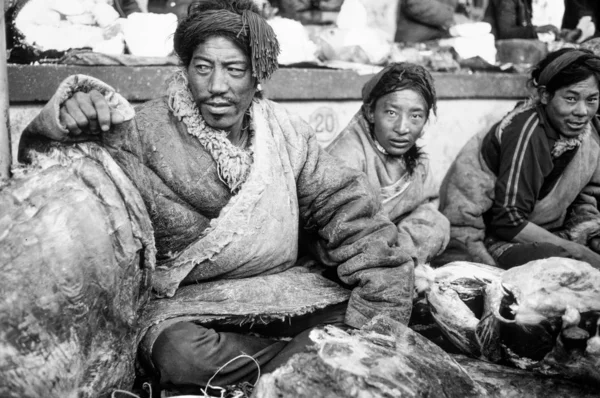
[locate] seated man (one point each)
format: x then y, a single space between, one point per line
381 140
528 189
231 181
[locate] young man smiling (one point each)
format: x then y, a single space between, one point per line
532 188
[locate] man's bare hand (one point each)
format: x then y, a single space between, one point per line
547 29
583 253
594 244
86 114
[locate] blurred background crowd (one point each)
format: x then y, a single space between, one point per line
443 35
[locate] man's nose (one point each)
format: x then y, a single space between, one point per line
217 83
580 109
401 126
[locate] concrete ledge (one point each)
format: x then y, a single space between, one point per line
36 83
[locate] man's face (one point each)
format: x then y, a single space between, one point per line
221 82
398 119
572 107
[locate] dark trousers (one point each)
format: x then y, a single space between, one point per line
188 355
522 253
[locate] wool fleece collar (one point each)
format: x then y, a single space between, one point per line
233 163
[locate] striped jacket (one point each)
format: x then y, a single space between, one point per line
493 172
518 152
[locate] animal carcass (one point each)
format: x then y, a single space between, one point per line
541 316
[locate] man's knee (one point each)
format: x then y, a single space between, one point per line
526 252
189 354
552 250
183 351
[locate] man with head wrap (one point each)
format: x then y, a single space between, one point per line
231 182
533 180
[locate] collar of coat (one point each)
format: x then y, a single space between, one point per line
233 163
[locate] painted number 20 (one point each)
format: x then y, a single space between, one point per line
323 120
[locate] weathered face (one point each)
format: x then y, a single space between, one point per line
399 118
572 107
221 81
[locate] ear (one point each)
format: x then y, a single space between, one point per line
370 115
544 95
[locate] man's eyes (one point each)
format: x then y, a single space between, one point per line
233 70
572 99
203 68
236 70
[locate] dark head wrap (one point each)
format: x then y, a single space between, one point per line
400 76
565 67
238 20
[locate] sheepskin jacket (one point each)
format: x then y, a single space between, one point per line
183 188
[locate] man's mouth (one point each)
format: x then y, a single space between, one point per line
218 107
400 143
576 125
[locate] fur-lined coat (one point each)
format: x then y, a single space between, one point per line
233 257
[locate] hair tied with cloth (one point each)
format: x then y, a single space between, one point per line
558 64
264 47
564 67
237 20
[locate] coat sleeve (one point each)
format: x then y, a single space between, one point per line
337 205
46 126
348 150
465 195
583 217
429 12
425 227
123 142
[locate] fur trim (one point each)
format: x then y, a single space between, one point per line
564 144
85 84
233 163
582 232
222 247
48 124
